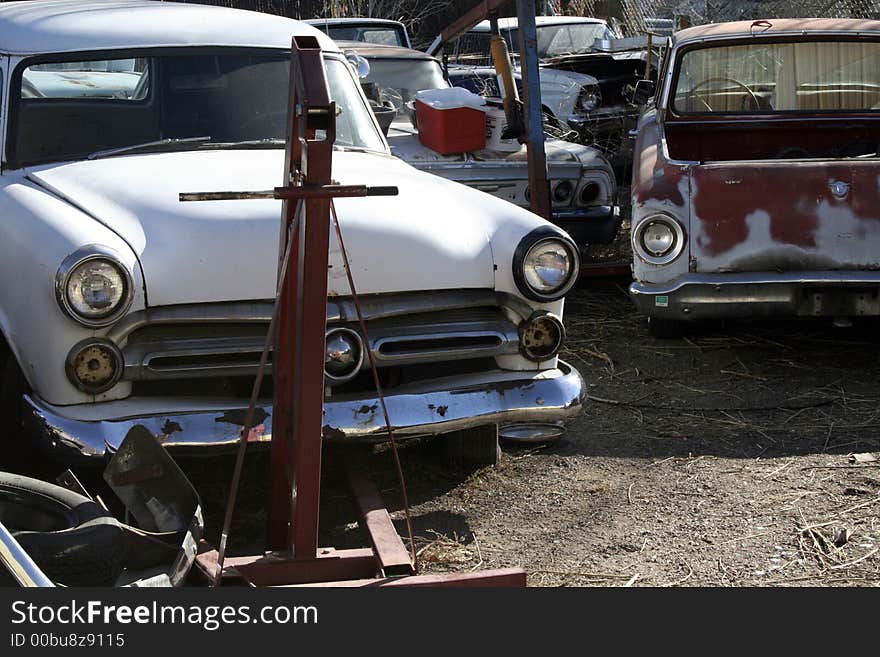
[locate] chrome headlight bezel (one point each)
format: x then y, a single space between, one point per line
80 257
535 239
359 344
668 256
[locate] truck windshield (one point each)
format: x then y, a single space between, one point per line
806 76
67 110
565 39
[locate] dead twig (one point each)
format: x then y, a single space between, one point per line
855 561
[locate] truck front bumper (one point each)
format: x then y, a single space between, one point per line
93 431
761 294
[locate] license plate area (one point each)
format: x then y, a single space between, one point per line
834 301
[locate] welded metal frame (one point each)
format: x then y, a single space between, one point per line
299 346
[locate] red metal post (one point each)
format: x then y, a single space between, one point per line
295 478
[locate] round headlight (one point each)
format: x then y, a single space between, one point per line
590 193
541 336
94 366
545 265
93 287
659 240
588 101
563 191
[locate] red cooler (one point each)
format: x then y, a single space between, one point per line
453 130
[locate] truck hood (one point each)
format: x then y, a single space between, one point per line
434 235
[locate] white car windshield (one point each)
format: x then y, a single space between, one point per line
398 80
73 109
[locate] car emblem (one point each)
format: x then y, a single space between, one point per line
839 189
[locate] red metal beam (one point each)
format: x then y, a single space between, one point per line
276 569
506 577
295 478
391 553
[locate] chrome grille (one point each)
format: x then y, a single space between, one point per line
209 344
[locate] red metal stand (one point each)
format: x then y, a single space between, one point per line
298 367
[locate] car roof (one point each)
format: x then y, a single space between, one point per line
50 26
352 21
777 26
380 50
511 23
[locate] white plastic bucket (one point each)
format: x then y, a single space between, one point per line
496 122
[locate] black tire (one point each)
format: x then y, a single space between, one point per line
471 448
73 540
664 328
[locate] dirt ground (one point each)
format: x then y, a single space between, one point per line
739 455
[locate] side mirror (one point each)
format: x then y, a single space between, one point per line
361 65
643 92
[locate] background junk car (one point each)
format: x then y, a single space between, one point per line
582 184
368 30
755 184
582 84
130 307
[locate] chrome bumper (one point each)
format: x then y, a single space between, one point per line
791 294
438 406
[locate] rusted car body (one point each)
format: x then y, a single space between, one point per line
755 183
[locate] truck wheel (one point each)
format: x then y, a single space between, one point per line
73 540
471 448
664 328
16 451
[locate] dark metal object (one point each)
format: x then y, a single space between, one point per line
528 52
286 193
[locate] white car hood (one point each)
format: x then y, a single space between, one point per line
434 235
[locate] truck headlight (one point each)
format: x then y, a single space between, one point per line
93 287
588 101
659 239
545 265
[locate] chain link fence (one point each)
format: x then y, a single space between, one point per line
638 16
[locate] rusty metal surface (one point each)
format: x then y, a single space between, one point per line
391 553
790 25
274 568
785 216
503 577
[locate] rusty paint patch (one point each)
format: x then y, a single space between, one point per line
332 433
654 179
238 416
365 409
170 427
440 410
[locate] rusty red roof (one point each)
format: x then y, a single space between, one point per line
777 26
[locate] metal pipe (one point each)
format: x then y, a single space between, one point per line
19 563
539 188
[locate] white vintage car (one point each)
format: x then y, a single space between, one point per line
122 306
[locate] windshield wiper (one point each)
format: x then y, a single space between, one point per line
266 142
173 143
